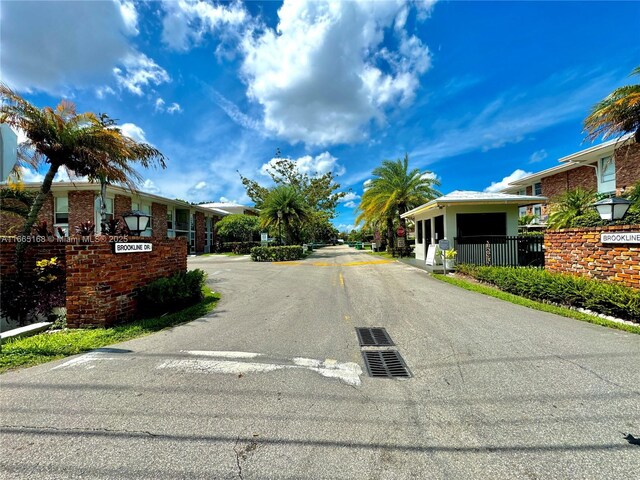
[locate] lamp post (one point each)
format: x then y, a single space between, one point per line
136 221
280 226
613 208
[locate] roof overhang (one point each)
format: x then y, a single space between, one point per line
88 186
442 202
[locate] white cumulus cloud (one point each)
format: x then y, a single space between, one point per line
149 186
321 76
138 72
42 51
186 22
504 183
318 165
350 205
350 196
133 131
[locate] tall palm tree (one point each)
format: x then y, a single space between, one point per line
570 205
83 143
617 114
284 207
395 190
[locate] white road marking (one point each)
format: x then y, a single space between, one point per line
85 360
206 353
219 366
348 372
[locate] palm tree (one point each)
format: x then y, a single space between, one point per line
80 142
617 114
568 206
395 190
284 207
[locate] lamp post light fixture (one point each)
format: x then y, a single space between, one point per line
613 208
136 221
280 226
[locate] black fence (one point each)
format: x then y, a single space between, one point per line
520 251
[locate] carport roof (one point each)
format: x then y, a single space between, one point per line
463 197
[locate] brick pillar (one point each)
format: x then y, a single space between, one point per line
159 220
46 212
200 232
81 209
121 205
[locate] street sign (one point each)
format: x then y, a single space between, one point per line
444 245
401 243
400 231
132 247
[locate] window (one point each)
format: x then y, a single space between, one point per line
169 218
537 188
607 169
419 226
522 192
522 211
537 211
61 214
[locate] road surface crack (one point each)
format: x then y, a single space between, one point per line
243 453
597 375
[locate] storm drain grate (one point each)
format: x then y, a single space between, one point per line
385 363
374 337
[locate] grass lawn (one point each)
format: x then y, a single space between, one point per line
381 254
525 302
26 352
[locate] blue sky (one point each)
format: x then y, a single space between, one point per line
477 92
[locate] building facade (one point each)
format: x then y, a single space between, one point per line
70 204
609 169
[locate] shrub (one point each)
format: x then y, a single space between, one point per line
239 248
537 284
33 297
276 254
173 293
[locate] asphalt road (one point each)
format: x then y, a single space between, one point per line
269 386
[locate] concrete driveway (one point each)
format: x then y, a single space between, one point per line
271 385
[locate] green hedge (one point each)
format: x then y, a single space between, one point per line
537 284
171 294
276 254
239 248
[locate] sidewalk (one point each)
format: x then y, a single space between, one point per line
421 265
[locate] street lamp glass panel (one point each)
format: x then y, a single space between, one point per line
612 208
136 221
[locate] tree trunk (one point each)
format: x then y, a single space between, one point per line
103 206
389 234
45 188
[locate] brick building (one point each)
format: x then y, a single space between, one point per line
609 168
70 204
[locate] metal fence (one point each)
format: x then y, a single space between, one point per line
520 251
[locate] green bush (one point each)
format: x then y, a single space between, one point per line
276 254
239 248
537 284
171 294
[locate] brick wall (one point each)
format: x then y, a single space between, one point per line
34 253
200 232
584 177
578 251
81 209
121 205
159 216
627 166
101 285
